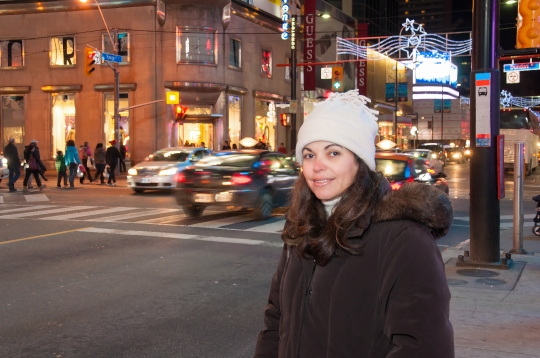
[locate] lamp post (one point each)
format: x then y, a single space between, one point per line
114 43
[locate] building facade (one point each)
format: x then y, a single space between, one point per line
220 55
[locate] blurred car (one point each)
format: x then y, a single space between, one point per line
248 178
402 168
437 148
455 154
467 151
431 159
4 172
158 171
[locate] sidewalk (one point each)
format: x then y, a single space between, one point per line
496 313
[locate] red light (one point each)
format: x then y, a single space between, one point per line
239 179
180 178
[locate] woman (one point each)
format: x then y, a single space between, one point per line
72 161
99 158
86 154
31 157
360 274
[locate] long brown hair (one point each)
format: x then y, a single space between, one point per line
313 235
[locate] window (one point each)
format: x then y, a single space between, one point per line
108 117
12 115
195 45
11 54
123 46
235 54
266 63
63 120
62 51
235 119
288 70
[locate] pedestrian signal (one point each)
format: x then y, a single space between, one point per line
180 114
89 61
337 79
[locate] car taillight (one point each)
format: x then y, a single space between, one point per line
240 179
180 178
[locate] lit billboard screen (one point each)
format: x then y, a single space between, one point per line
435 68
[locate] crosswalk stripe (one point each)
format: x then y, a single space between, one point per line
168 235
164 219
1 200
134 215
25 208
86 213
43 212
272 227
36 197
215 224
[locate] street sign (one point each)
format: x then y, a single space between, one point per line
172 97
97 57
512 77
526 66
111 58
482 91
326 73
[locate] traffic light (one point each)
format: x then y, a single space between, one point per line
89 61
180 114
337 79
528 28
284 119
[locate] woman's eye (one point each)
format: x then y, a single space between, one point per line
308 156
333 154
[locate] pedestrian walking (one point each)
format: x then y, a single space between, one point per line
282 149
72 161
70 135
61 168
86 155
31 155
99 158
360 274
112 157
13 163
41 167
123 152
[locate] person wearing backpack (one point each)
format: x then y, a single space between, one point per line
72 161
86 154
33 167
99 157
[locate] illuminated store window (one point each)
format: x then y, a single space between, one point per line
62 51
12 119
235 53
63 121
235 119
265 122
108 118
11 54
197 134
196 45
123 46
266 63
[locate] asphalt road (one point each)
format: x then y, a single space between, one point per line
101 272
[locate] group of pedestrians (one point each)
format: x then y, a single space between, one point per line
67 164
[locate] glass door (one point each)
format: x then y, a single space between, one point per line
12 119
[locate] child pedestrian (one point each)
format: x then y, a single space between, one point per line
61 168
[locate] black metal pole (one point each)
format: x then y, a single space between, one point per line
293 86
396 108
442 116
484 203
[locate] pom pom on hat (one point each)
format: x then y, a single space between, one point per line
343 119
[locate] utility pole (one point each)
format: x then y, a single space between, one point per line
484 203
116 91
293 82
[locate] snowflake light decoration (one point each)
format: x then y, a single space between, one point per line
506 98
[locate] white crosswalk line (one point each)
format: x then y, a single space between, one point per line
164 219
87 213
271 228
36 197
43 212
168 235
215 224
134 215
1 200
33 207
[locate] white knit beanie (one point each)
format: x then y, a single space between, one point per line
343 119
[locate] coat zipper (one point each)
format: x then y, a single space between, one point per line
306 301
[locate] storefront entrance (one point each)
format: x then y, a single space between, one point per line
63 120
196 135
108 119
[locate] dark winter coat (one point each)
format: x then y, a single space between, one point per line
99 156
391 301
112 156
12 155
35 154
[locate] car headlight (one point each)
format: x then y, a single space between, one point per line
434 156
456 155
170 171
4 161
132 171
467 152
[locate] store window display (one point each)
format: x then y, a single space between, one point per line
63 120
235 119
265 123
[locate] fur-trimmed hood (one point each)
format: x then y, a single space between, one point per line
417 202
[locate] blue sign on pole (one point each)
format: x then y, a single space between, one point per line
111 58
526 66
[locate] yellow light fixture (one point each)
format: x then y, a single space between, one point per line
325 16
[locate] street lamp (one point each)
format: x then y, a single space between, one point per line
114 43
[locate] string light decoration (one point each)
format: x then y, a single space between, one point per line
409 44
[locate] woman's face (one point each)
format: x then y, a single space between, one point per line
329 169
